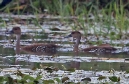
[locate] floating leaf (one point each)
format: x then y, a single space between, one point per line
71 69
19 73
50 70
15 81
114 79
77 83
26 77
34 68
1 78
36 82
55 29
48 81
10 80
127 71
71 83
101 78
22 81
86 79
64 79
38 77
127 44
58 80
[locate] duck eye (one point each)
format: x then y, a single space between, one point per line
73 32
15 29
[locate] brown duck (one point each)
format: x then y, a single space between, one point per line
36 49
103 48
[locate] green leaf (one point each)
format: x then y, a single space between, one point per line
10 80
101 78
48 69
22 81
1 78
26 77
38 77
86 80
48 81
127 71
58 80
71 69
114 79
19 73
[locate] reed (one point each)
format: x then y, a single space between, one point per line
121 20
114 15
35 5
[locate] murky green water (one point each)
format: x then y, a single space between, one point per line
30 35
93 65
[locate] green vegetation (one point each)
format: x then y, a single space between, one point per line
110 16
105 18
21 78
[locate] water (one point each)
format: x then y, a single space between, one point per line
52 31
64 52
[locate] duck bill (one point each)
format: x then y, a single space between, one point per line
70 35
10 32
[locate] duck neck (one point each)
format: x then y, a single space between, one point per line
18 44
76 47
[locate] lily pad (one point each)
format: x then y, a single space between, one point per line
114 79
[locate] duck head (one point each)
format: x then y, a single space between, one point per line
76 36
15 30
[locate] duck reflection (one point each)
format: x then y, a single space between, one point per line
73 65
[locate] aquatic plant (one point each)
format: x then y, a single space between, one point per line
114 78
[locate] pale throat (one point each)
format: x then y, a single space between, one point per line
76 44
18 40
77 41
18 44
18 37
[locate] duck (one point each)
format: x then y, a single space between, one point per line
103 48
34 49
